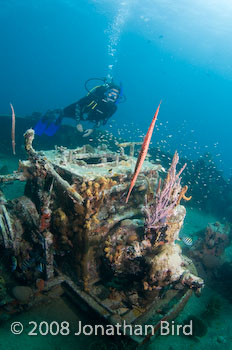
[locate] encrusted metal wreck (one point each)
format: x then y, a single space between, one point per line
73 226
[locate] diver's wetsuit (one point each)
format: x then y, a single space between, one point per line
94 105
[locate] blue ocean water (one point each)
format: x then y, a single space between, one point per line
176 52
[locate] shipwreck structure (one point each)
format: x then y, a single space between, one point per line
72 226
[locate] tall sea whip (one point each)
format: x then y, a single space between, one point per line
167 197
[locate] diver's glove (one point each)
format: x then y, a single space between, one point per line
87 132
80 128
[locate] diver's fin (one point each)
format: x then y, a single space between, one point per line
51 129
40 127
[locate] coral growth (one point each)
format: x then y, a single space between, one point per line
210 248
153 254
96 239
63 229
167 265
168 196
123 249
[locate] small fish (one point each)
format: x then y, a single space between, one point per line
187 240
14 264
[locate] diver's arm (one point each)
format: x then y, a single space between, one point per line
108 114
88 132
76 109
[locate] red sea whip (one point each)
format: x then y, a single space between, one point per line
143 153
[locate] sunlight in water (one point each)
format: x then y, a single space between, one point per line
114 32
175 25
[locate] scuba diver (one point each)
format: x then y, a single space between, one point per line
97 107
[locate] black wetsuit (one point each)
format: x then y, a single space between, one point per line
94 106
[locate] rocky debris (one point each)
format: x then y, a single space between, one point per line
22 294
